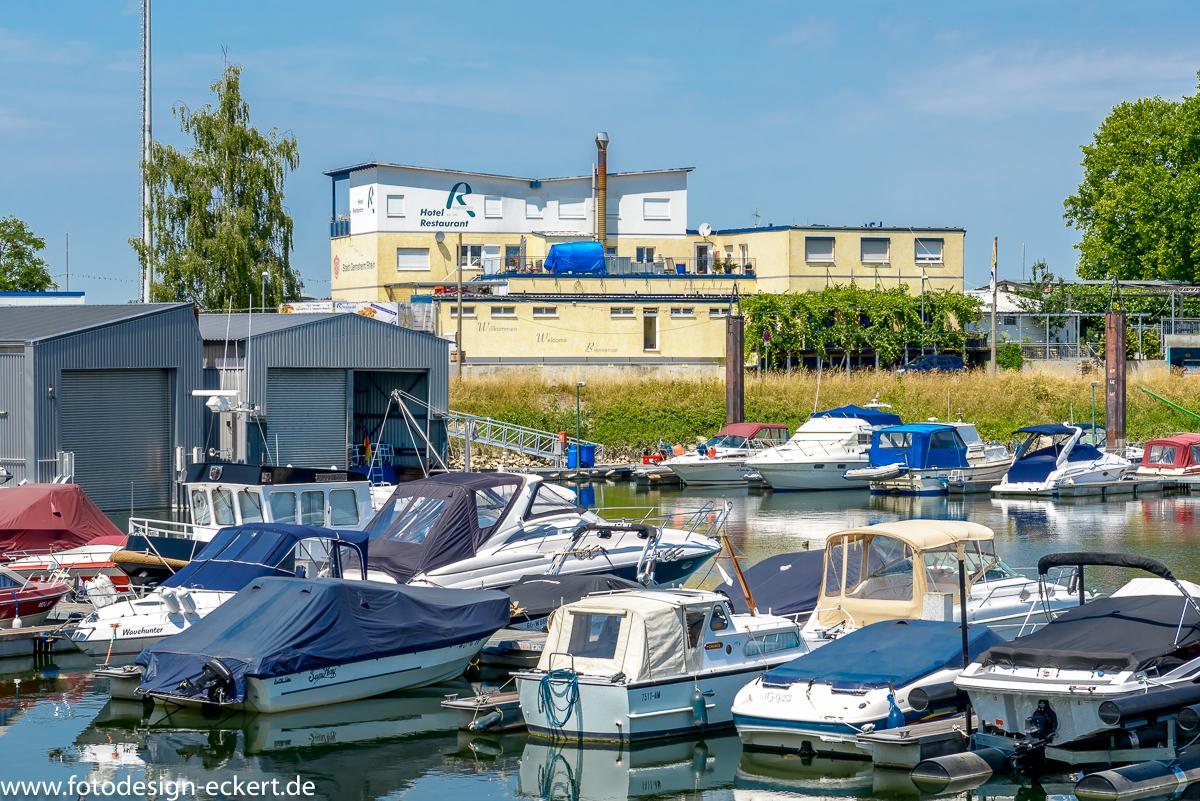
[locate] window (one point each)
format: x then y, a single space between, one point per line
312 508
718 313
594 636
572 209
544 312
414 518
551 499
818 249
876 250
621 312
470 255
682 312
504 312
895 439
1008 320
650 329
283 507
250 505
201 516
535 209
645 256
412 258
695 627
490 503
943 441
929 251
467 311
744 254
395 205
889 572
656 208
763 644
1162 454
720 620
493 207
343 508
223 507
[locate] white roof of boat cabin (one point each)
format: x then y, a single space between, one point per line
643 601
926 534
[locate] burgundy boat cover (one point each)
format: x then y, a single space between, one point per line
49 517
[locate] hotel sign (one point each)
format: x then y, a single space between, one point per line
456 214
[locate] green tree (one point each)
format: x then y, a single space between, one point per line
21 268
218 220
1138 205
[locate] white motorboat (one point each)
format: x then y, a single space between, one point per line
1055 457
648 664
885 675
722 460
488 530
230 561
927 458
1121 662
1176 456
821 451
289 643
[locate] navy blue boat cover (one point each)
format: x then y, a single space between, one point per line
875 417
575 257
239 554
537 596
278 626
896 652
784 584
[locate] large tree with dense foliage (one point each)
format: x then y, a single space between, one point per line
218 219
1138 205
21 268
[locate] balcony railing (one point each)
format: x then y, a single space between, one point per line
625 266
339 228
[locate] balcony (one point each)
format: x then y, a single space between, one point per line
339 228
628 266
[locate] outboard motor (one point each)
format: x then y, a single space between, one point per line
1030 753
215 682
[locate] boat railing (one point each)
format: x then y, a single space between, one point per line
172 529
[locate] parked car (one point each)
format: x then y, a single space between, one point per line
936 363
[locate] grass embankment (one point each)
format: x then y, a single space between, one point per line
628 415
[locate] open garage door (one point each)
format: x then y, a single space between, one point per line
118 424
306 417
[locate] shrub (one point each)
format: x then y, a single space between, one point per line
1008 356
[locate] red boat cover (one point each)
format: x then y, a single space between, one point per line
1174 451
49 517
748 429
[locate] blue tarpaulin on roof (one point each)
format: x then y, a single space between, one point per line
896 652
576 257
279 626
875 417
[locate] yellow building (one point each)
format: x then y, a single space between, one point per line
412 234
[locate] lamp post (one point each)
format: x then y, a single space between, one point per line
578 421
262 290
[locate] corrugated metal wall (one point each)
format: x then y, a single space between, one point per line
13 425
306 416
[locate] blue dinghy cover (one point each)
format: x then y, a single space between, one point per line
576 257
896 652
784 584
875 417
278 626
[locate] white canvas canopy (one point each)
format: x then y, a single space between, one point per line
642 634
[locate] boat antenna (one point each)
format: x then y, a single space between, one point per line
737 569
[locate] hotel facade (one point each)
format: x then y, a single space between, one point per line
416 234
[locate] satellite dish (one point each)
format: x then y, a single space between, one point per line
440 236
705 230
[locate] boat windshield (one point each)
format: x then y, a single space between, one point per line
969 434
941 566
407 519
1162 454
1043 445
726 441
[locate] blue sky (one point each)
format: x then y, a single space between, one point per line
966 114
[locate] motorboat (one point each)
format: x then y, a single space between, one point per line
786 584
488 530
235 557
1170 457
290 643
882 676
722 459
534 598
1055 457
926 458
909 569
27 601
823 448
646 664
1104 667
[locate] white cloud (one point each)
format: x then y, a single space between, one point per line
805 33
17 48
12 121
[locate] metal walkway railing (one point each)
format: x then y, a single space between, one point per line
512 437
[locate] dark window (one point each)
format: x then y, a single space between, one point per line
943 441
594 636
720 620
695 625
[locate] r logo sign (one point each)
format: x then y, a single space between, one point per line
459 197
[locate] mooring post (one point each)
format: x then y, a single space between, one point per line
1114 374
735 386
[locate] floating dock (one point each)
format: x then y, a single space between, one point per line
32 640
603 472
510 649
1125 487
906 747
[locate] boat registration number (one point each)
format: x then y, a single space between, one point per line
777 697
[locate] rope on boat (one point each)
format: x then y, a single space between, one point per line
558 694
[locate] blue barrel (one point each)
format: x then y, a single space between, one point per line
587 455
573 457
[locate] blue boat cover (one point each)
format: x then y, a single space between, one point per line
1035 466
279 626
895 652
784 584
875 417
239 554
918 446
576 257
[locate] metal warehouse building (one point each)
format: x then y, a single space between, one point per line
110 384
322 384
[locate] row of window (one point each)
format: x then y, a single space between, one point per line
874 250
653 208
247 507
615 312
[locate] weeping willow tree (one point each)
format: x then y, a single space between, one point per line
218 221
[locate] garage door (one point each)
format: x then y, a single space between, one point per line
306 417
118 424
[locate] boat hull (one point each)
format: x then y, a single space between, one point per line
936 481
711 471
1055 483
32 604
827 475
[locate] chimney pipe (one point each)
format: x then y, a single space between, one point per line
602 188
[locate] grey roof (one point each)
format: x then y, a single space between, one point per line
216 327
35 323
366 165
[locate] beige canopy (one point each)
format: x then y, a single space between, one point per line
883 572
